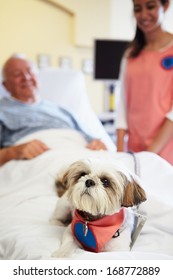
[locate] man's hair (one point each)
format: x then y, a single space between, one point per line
20 56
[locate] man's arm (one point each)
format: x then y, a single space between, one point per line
28 150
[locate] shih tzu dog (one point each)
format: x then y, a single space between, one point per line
97 201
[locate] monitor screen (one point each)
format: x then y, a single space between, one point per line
107 58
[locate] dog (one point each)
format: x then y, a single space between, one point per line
97 201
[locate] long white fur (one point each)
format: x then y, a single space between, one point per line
94 200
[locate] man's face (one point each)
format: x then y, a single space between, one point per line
20 80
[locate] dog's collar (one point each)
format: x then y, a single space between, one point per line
93 235
89 217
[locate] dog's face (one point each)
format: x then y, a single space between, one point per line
99 188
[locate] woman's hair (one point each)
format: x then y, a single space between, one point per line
139 41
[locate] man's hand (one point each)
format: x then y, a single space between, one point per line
96 145
30 149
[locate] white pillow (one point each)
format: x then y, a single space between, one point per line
3 91
67 88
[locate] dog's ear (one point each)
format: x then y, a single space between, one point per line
62 183
134 194
68 176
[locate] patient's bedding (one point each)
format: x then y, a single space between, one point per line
28 198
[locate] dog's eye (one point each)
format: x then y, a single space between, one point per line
82 174
105 182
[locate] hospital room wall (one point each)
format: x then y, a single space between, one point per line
65 28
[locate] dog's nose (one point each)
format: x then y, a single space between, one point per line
89 183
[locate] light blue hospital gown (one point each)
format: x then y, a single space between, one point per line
18 119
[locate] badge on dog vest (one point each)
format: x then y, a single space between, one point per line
93 235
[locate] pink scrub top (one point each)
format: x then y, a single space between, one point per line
149 97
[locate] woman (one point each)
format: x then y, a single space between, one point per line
145 112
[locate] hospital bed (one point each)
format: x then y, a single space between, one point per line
27 187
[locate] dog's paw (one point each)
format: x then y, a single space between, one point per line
56 222
60 254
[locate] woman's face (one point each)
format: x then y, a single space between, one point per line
149 14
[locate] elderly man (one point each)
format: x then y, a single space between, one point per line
23 112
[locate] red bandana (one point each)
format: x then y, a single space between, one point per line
93 235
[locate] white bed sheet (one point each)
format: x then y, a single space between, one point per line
28 198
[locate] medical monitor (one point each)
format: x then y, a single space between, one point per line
107 58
